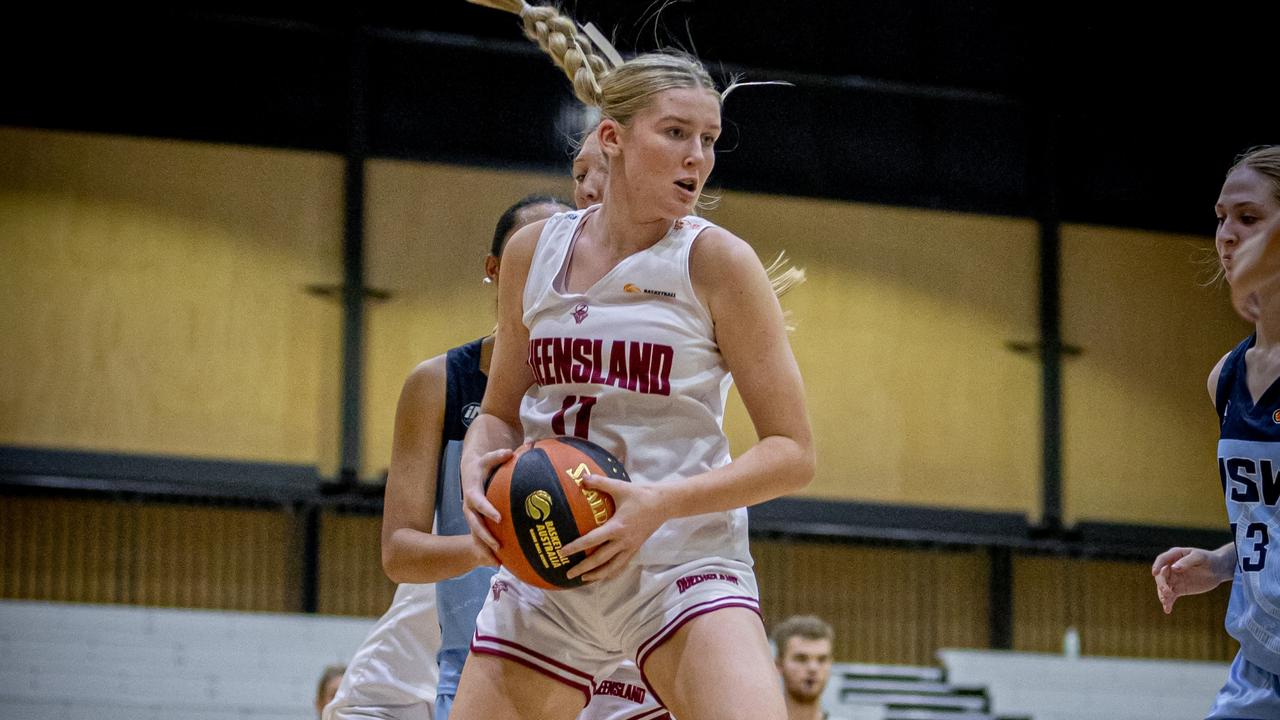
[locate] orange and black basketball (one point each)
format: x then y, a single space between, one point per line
543 508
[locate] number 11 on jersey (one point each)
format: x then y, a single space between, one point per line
580 406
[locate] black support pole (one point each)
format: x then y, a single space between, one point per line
309 528
1000 598
353 290
1045 182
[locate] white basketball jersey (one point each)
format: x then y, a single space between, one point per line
632 365
396 664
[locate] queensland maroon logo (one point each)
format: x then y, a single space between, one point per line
498 587
626 691
688 581
580 313
628 364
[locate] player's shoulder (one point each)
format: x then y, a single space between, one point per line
427 379
1215 376
714 239
524 241
722 267
718 253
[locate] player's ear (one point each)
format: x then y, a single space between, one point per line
610 135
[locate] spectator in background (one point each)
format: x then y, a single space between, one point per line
803 656
328 686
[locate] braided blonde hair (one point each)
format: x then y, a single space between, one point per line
599 76
620 89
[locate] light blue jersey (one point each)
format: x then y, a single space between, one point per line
458 599
1249 468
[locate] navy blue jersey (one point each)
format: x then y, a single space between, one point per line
1249 467
458 599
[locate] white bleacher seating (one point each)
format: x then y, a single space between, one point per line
861 691
72 661
107 662
1054 687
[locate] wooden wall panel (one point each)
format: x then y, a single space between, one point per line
153 298
1113 607
146 554
888 605
1139 431
901 335
351 581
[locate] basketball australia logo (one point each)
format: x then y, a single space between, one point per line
538 504
470 412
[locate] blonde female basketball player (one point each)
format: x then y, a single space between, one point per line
674 305
1245 389
394 673
1254 271
623 696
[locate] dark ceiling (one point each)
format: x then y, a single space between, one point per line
1120 113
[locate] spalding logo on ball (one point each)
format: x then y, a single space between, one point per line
542 482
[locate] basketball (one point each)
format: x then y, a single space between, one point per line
543 508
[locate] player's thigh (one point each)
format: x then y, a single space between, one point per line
494 688
717 667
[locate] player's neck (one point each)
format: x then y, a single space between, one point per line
1268 325
623 229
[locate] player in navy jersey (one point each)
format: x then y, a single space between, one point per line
394 673
622 324
1245 389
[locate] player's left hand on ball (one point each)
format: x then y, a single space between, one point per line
474 502
638 512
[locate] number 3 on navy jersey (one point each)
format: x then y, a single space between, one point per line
582 415
1253 555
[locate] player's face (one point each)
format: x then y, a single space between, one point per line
1246 203
805 666
589 172
668 151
